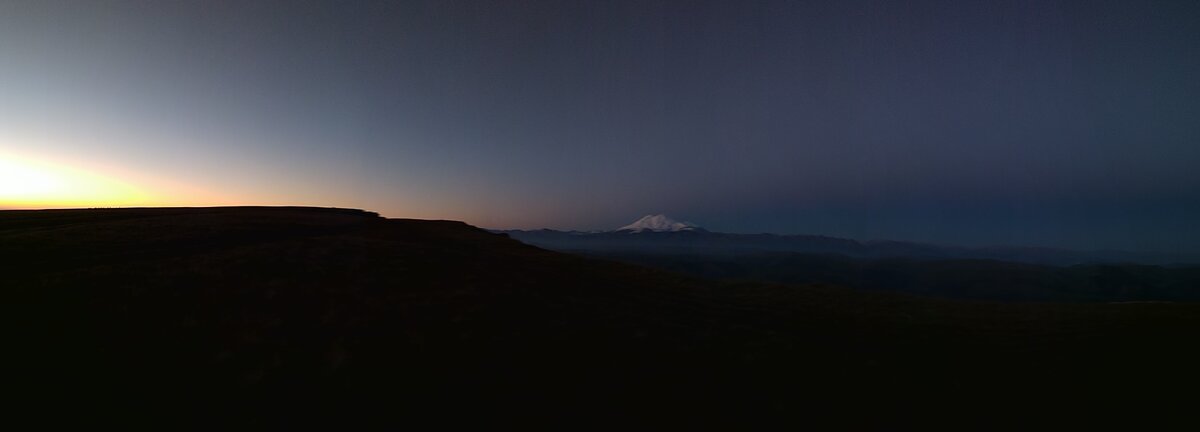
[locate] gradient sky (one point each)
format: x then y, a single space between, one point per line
1052 123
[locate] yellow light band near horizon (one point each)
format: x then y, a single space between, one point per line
27 183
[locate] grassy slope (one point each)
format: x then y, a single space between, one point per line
288 316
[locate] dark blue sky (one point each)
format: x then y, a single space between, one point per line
1071 124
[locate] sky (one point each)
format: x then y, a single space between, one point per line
1051 123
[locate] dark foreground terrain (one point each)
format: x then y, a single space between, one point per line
299 317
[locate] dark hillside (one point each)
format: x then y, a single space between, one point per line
290 317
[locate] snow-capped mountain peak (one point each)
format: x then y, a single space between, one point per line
658 223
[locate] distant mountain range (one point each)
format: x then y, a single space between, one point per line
659 234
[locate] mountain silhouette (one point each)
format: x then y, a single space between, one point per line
692 240
308 317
